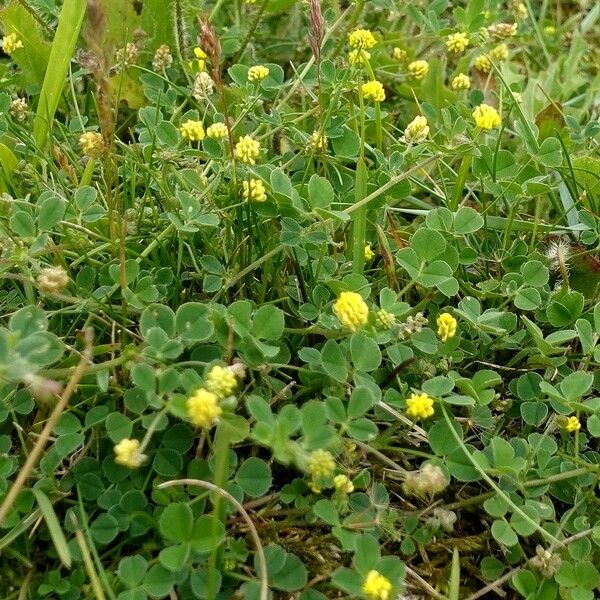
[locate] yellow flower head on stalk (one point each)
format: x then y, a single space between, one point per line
10 43
203 408
362 39
351 310
317 141
321 464
221 381
257 73
457 42
314 488
201 58
373 90
572 425
416 131
254 190
358 56
418 68
247 149
216 131
499 52
369 254
486 117
127 453
446 326
419 406
376 586
92 144
461 82
399 54
483 63
385 319
192 130
343 484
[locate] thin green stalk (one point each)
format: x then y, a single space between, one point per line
359 219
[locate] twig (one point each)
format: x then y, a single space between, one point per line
262 562
40 444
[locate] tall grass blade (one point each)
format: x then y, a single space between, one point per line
56 533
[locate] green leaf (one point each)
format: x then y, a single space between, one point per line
56 533
575 385
360 402
320 192
281 183
428 244
503 533
176 522
533 413
528 299
104 529
268 322
333 361
565 308
192 322
132 570
254 477
22 223
118 426
327 512
535 273
467 220
174 558
550 152
207 534
293 575
365 352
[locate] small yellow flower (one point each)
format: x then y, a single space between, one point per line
127 453
92 144
373 90
501 31
550 30
521 11
221 381
254 190
483 63
10 43
499 52
369 254
314 488
257 73
216 131
572 424
399 54
419 406
358 56
361 38
418 68
351 310
317 141
342 483
416 131
203 408
446 326
385 319
486 117
376 586
321 464
201 58
247 149
457 42
192 130
461 82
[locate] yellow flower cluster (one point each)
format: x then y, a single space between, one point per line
92 144
10 43
358 56
486 117
376 586
385 319
192 130
317 141
203 408
321 464
499 52
483 63
362 39
254 189
221 381
446 326
418 68
461 82
247 149
399 54
572 425
416 131
369 254
373 90
127 453
216 131
343 484
419 406
457 42
257 73
201 58
351 310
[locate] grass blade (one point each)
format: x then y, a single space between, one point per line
454 584
56 533
67 32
